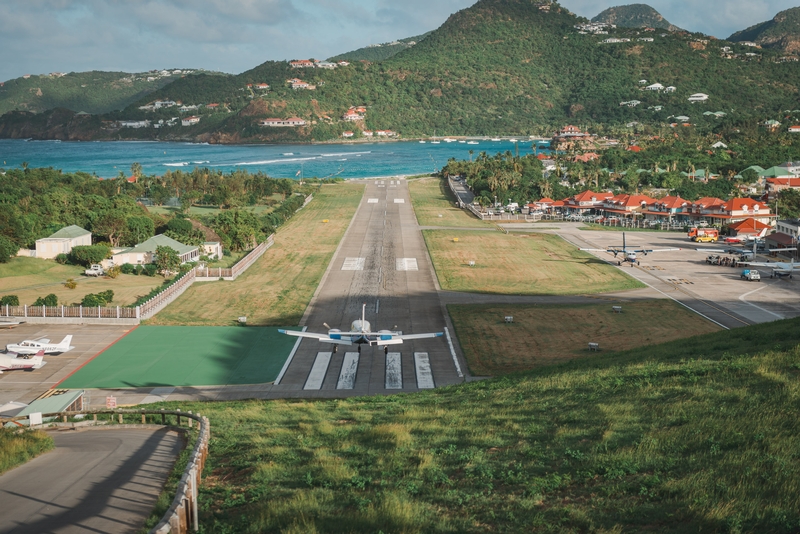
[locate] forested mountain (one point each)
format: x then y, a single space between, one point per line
782 32
379 52
91 92
499 67
635 16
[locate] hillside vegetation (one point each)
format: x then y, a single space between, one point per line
379 52
782 32
92 92
500 66
635 16
699 435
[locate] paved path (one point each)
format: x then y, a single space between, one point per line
94 481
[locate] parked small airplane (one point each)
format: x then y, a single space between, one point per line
361 334
13 362
33 346
628 255
10 324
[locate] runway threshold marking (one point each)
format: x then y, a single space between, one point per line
406 264
347 377
354 264
394 371
422 363
399 201
318 370
372 201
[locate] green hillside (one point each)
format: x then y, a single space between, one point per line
500 67
635 16
699 435
92 92
379 52
782 32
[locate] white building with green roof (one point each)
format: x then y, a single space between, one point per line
144 253
62 242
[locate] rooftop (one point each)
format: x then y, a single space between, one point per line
70 232
160 241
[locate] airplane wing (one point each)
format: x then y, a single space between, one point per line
322 338
774 266
398 339
651 250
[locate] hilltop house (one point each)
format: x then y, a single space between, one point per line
302 64
190 121
144 253
283 123
698 97
62 242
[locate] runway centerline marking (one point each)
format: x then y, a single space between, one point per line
372 201
399 201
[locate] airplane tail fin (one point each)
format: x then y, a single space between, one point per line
64 345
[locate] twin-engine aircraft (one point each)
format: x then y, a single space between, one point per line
34 346
628 255
779 268
14 362
361 334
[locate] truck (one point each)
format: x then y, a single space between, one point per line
751 275
704 235
94 270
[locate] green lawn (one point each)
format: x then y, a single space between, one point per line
17 447
698 435
512 264
199 211
434 205
152 356
277 288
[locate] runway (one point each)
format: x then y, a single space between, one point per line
383 263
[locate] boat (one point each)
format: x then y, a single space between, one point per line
496 139
462 142
448 140
422 142
512 140
472 143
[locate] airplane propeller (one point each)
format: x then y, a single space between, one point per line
326 325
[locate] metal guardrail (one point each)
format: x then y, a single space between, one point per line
182 515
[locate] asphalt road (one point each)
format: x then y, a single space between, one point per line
94 481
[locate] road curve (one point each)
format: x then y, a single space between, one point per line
94 481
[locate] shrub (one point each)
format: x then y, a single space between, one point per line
8 249
70 283
180 226
150 270
107 295
113 272
62 259
87 255
50 300
127 268
91 300
10 300
138 270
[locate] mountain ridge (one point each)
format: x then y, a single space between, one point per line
781 32
635 16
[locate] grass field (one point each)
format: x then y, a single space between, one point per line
431 198
30 278
535 264
16 447
277 288
152 356
698 435
544 335
199 211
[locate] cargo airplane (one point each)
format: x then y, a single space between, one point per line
14 362
628 255
361 334
33 346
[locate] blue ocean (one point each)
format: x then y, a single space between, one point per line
361 160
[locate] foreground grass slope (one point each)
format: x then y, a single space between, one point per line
277 288
16 448
699 435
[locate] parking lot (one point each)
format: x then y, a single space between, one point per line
26 386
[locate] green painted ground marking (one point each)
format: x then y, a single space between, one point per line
153 356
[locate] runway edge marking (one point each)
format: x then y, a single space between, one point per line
95 356
453 352
289 359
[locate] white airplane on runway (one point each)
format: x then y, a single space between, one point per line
13 362
33 346
361 334
628 255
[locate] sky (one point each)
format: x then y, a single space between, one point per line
43 36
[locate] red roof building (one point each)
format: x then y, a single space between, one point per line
588 200
749 227
627 204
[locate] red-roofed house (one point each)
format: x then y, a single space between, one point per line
667 208
347 134
626 204
794 129
635 148
586 158
775 185
302 64
720 212
588 200
352 115
262 86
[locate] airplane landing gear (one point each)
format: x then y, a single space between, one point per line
385 350
359 349
335 349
